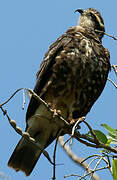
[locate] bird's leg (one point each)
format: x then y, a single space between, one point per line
56 112
79 120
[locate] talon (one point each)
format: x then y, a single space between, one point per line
49 105
54 113
58 112
73 121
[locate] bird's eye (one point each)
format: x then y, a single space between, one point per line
93 16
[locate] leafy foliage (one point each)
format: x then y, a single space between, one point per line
112 133
114 168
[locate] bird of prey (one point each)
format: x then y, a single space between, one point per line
72 76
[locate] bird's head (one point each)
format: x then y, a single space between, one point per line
92 19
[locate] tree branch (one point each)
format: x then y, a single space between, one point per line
92 142
75 158
68 128
24 134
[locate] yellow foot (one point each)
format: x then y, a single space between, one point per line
78 121
56 112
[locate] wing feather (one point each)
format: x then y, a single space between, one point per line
44 74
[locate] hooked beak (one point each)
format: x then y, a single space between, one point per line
80 11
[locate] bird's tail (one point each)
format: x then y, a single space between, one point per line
24 157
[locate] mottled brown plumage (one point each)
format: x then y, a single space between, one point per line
71 78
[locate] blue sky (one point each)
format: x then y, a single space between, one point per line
27 28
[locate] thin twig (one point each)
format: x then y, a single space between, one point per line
74 127
102 168
25 134
67 140
75 158
92 132
97 164
112 82
47 106
109 163
115 68
79 137
92 142
95 155
54 155
24 101
68 128
106 34
77 123
110 36
11 97
70 175
88 166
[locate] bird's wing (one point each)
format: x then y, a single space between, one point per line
49 60
45 71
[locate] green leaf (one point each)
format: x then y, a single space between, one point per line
114 168
110 129
100 135
112 133
109 142
113 139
